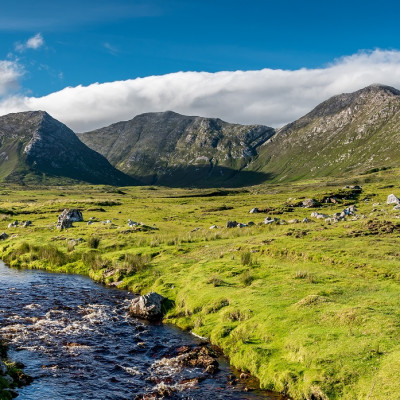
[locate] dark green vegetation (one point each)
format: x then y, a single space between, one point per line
35 147
311 309
176 150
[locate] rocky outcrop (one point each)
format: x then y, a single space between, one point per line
148 306
67 217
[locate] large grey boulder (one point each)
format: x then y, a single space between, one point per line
148 306
67 217
392 199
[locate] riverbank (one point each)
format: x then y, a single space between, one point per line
11 375
310 309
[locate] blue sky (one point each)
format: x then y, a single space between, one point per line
99 41
76 43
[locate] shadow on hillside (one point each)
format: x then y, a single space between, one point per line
205 177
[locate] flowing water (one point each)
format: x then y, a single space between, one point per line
78 342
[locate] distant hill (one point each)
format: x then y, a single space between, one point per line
347 134
352 133
171 149
34 147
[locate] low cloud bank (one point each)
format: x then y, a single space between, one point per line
268 96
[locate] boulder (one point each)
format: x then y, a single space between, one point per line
392 199
3 236
213 227
309 203
231 224
67 217
13 224
148 306
254 210
26 223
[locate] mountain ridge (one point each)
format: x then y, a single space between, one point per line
35 146
158 147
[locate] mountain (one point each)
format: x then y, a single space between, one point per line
349 133
34 147
170 149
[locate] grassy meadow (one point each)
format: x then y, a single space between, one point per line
310 309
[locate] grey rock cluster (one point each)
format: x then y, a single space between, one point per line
337 217
235 224
16 223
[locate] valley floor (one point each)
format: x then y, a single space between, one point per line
310 309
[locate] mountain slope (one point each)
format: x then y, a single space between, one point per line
172 149
349 133
35 147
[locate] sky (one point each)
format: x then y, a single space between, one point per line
91 63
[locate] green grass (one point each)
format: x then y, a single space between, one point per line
312 310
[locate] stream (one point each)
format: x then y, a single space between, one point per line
77 341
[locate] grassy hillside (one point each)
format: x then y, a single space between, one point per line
347 134
311 309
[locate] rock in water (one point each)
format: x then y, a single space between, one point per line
392 199
148 306
68 216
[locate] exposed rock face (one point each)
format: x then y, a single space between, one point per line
349 133
36 147
67 217
148 306
173 149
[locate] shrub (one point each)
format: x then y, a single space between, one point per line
135 262
245 258
246 278
94 242
215 281
305 275
94 260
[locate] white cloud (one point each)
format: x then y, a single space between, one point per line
34 43
268 96
10 72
